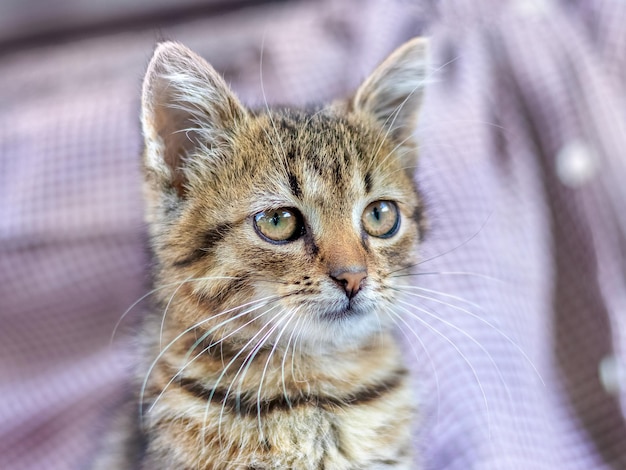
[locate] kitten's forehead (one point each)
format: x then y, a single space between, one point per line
318 154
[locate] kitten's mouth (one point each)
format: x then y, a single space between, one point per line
349 310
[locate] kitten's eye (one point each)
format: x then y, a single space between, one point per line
280 225
381 219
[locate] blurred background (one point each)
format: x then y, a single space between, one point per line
517 339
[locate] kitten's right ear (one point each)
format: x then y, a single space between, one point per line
186 107
392 94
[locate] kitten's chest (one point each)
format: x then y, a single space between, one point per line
367 435
360 419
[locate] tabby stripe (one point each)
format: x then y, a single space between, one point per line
213 347
385 462
418 217
230 288
294 185
246 405
368 182
207 242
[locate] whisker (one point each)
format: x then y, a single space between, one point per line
245 366
270 281
290 316
396 112
465 242
148 294
312 116
390 153
223 373
191 328
269 114
186 362
232 333
403 169
165 311
460 353
221 324
128 310
394 317
481 319
450 273
282 366
436 292
468 336
304 327
464 121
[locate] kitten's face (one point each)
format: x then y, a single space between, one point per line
301 220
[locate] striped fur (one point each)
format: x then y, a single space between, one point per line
257 357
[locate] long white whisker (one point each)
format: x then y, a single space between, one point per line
304 327
394 316
481 319
460 353
312 116
245 366
390 153
191 328
269 114
439 255
291 337
165 286
450 273
463 121
396 112
232 333
166 309
221 376
187 362
290 316
468 336
436 292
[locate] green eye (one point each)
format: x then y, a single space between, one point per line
381 219
280 225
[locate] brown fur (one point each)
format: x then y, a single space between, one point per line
308 378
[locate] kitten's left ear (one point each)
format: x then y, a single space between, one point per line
393 92
186 106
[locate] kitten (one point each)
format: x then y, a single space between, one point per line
276 235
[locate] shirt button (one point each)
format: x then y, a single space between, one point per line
612 374
576 163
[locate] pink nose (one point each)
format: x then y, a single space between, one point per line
350 280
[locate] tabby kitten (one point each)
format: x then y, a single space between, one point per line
276 235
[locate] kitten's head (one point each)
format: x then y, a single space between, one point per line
281 222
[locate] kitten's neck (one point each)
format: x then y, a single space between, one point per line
285 375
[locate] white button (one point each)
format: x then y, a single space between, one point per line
576 163
612 374
533 8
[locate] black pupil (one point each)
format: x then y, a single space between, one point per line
275 219
376 213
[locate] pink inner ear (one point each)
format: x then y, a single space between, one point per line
185 103
168 123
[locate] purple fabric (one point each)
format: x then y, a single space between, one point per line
522 159
522 137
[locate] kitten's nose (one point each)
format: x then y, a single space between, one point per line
350 280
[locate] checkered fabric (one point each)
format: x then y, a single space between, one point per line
516 332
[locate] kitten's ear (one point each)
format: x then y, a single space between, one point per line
185 105
392 94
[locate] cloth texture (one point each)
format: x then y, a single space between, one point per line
516 334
